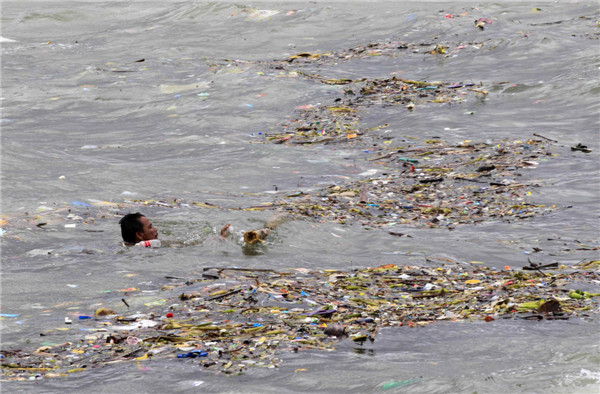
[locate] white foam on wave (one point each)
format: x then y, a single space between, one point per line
584 378
4 39
584 373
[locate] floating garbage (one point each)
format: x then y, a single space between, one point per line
395 383
435 184
581 148
253 236
338 121
247 318
153 243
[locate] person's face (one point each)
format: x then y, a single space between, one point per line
148 232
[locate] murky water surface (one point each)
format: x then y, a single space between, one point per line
84 121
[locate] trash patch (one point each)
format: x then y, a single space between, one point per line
435 184
233 319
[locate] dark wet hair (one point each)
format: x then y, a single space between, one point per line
130 225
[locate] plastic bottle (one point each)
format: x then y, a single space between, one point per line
153 243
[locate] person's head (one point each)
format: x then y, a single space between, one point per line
135 227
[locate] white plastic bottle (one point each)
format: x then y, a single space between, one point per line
153 243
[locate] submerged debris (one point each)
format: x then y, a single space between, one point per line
243 318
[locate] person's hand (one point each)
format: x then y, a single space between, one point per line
225 231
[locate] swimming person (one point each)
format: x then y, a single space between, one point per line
136 229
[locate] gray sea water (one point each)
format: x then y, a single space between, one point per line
85 123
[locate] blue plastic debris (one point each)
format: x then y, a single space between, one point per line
193 354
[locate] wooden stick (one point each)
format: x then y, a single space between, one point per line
546 138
